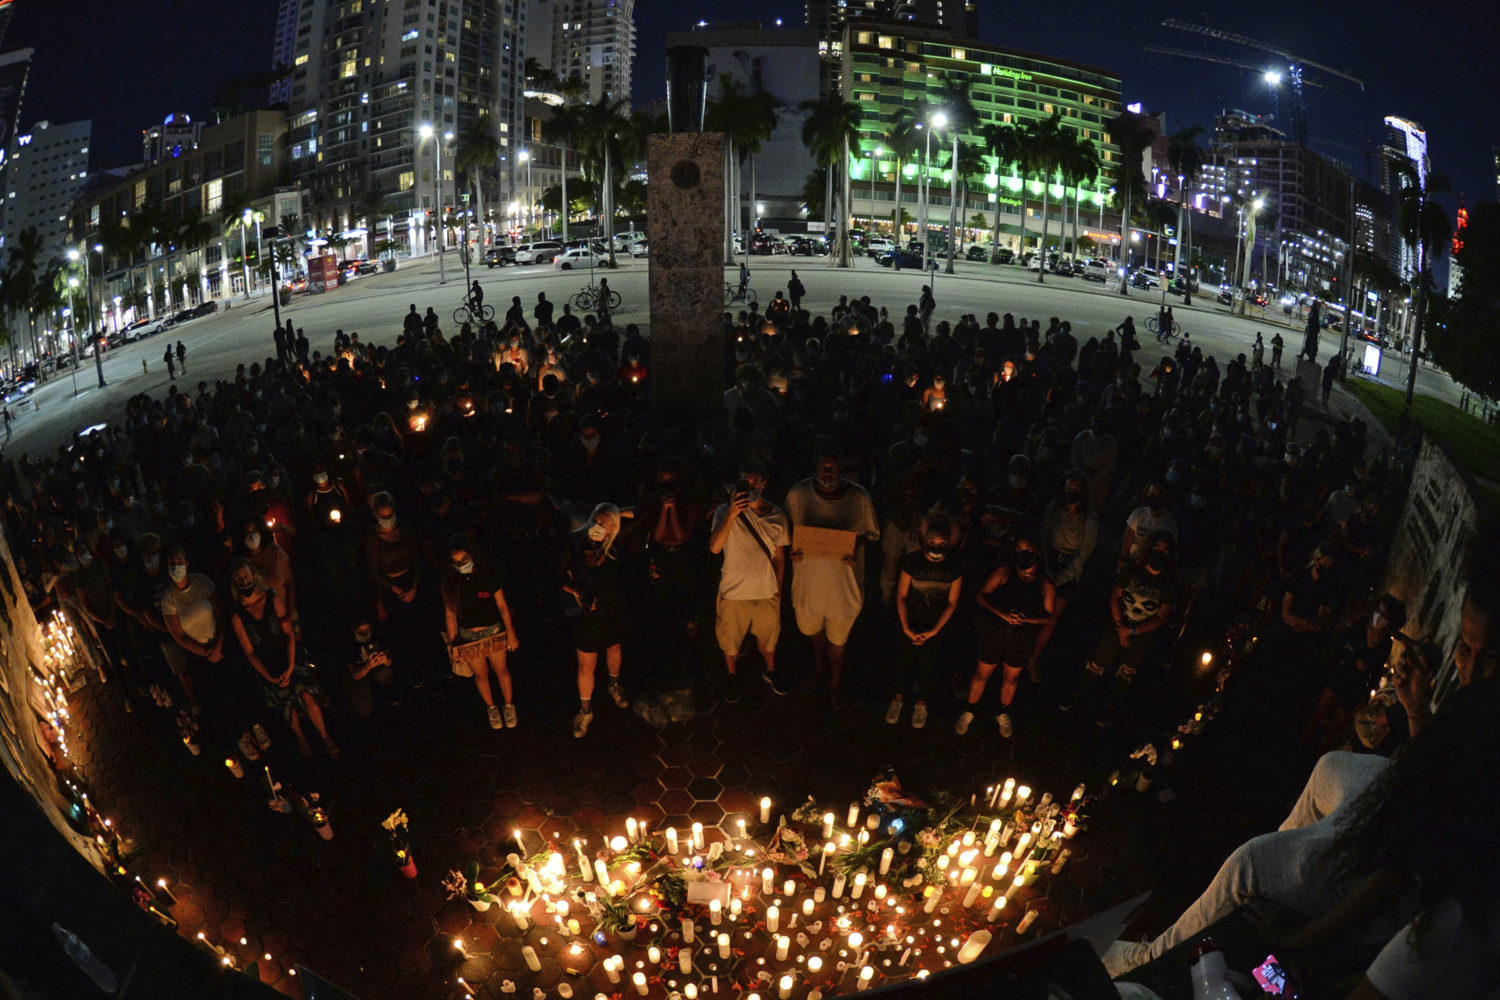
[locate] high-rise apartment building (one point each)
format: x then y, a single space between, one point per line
7 7
594 40
284 48
1402 152
365 78
176 135
828 17
45 167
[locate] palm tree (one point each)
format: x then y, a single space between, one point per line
1422 224
1049 145
955 102
563 130
1080 165
602 126
1004 143
1129 131
539 77
970 165
832 127
236 212
475 150
1186 156
371 205
747 121
901 140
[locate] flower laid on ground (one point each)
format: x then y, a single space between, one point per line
395 826
466 885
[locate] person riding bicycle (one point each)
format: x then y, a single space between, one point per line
476 295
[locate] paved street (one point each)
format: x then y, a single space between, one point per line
374 306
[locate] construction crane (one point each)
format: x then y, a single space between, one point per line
1294 71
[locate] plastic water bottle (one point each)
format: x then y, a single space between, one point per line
1209 972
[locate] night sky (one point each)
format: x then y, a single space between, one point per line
102 59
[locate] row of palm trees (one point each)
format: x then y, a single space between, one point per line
34 288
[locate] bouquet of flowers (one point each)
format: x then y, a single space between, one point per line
395 828
788 847
466 885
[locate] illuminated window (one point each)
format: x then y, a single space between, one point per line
213 196
887 42
960 54
405 180
300 60
350 68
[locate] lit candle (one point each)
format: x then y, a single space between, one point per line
601 872
765 809
640 983
968 840
973 947
932 899
886 857
690 991
532 962
1062 859
715 912
735 905
807 907
685 960
235 768
859 885
967 877
972 895
618 844
814 965
827 825
863 838
785 990
827 850
697 836
723 945
523 923
838 885
519 842
783 946
789 888
653 955
773 918
1015 886
880 891
671 840
1026 922
997 908
687 929
741 824
866 974
632 828
1006 791
1023 792
998 872
1077 794
853 815
768 881
855 940
584 871
820 894
612 966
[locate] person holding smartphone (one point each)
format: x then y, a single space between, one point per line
750 533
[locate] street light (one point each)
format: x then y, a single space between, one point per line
427 132
71 314
96 335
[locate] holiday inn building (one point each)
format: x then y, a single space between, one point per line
889 68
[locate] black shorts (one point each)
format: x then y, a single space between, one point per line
1000 642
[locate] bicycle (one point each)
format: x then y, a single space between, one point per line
734 293
1153 324
587 298
470 312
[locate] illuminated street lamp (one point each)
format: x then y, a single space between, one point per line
939 120
88 288
427 132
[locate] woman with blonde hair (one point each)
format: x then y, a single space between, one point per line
592 579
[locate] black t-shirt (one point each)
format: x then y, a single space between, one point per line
1143 594
927 596
471 596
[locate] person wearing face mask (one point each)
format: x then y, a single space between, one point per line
1146 595
369 666
1151 518
827 593
590 469
1015 494
593 579
273 567
327 504
475 610
750 533
1094 452
192 615
1069 533
1019 607
264 633
1352 671
927 592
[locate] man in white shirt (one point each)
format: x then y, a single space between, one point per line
827 594
751 533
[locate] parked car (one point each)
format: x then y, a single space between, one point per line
184 316
640 248
580 257
543 252
206 308
905 258
877 245
809 246
499 256
1097 270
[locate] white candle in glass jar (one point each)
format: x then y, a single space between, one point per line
838 885
612 966
785 990
765 809
768 881
1027 921
687 930
532 961
685 960
723 945
886 857
773 918
715 912
807 907
697 836
653 955
783 947
827 825
859 885
671 840
853 815
640 983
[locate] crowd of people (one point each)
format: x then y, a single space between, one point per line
951 498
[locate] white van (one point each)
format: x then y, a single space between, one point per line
538 253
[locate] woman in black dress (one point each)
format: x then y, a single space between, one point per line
593 579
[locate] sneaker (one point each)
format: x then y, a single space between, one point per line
732 688
509 711
581 724
919 715
893 714
261 736
1006 729
617 693
1123 956
962 725
496 719
774 679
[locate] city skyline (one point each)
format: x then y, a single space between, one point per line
79 75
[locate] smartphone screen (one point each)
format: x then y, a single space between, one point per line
1270 975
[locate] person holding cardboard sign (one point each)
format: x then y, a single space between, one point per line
475 610
831 520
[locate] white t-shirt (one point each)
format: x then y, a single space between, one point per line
828 586
1147 524
193 607
748 574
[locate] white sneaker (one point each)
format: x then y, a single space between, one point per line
893 713
962 725
496 721
1123 956
919 715
510 716
617 693
581 724
1006 729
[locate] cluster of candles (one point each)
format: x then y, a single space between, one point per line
820 939
53 681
